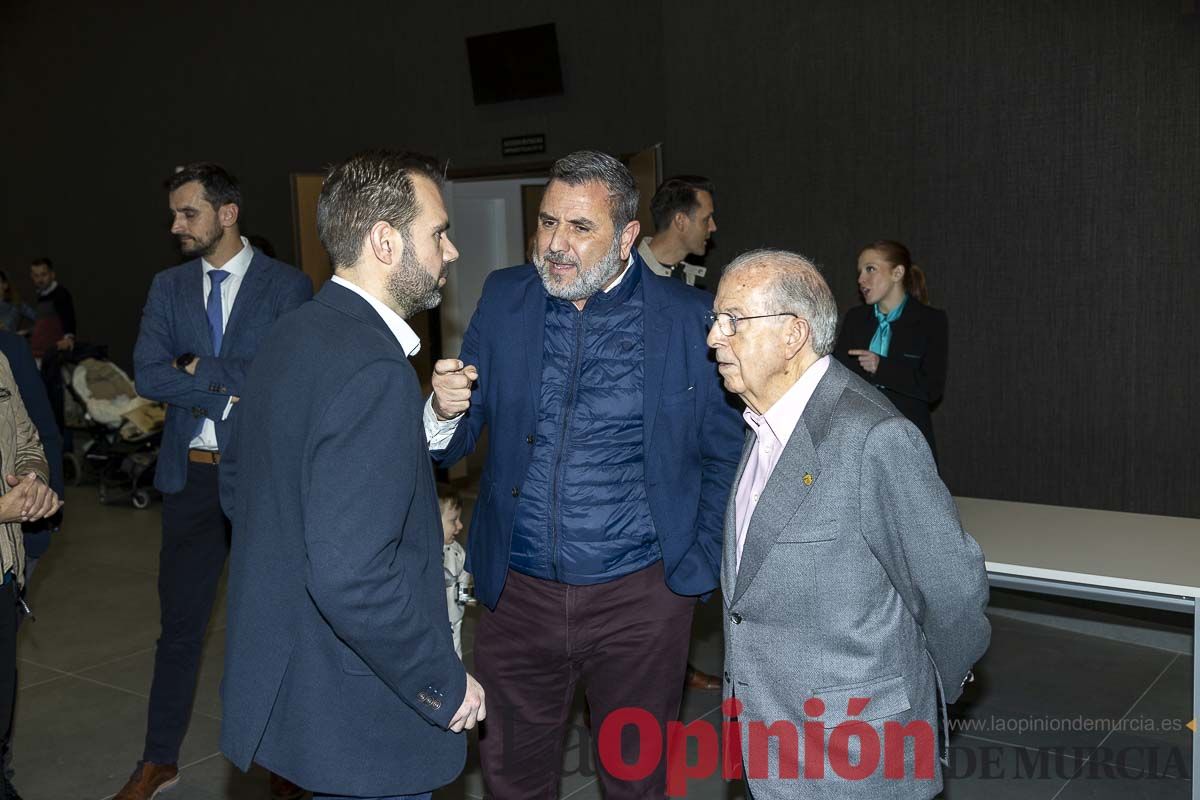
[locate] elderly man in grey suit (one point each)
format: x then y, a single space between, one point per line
854 600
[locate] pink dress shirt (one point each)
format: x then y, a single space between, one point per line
772 431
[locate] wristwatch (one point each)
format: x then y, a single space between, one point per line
184 360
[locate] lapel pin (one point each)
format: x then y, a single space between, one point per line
808 479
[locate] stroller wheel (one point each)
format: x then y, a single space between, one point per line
140 499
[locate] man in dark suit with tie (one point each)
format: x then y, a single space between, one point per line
340 671
202 325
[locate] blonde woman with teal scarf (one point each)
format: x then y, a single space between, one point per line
895 340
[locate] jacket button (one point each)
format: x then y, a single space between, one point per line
529 439
516 491
727 678
197 412
735 618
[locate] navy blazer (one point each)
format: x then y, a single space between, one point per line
691 430
340 672
174 322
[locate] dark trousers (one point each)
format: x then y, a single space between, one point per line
627 640
195 544
8 655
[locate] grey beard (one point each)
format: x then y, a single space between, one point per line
587 281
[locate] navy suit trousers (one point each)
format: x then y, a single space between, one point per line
195 545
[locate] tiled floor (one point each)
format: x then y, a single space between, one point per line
85 668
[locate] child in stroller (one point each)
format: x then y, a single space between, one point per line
123 429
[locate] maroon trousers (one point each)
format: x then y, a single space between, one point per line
627 640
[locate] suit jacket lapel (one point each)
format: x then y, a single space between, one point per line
535 332
782 497
903 329
729 552
344 300
254 284
786 490
657 341
193 308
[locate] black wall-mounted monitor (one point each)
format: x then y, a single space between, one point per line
515 65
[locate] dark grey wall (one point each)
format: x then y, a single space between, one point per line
103 104
1041 160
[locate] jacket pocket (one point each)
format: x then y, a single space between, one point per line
351 663
824 531
886 697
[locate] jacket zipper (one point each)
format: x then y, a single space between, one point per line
568 406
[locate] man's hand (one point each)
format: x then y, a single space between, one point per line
28 499
190 369
66 343
867 360
452 387
472 709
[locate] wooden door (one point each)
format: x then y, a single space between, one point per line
646 166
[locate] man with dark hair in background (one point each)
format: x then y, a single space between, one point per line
54 328
53 333
683 210
203 323
610 455
340 671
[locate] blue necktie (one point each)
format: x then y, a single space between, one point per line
216 316
216 322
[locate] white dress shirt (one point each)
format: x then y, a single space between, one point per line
406 336
236 267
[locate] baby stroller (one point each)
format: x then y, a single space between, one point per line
124 430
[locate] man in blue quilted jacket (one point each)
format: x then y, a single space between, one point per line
612 447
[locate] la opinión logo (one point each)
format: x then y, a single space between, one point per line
820 751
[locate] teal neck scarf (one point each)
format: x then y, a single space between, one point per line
883 334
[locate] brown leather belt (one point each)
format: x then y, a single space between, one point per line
204 456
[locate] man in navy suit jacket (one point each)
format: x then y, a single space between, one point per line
202 325
340 671
610 455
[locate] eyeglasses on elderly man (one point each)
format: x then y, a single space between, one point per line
727 323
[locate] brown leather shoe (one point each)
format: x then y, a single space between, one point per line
283 789
148 780
702 681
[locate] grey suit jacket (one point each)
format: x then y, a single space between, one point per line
858 583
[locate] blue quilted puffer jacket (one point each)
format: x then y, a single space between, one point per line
583 516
